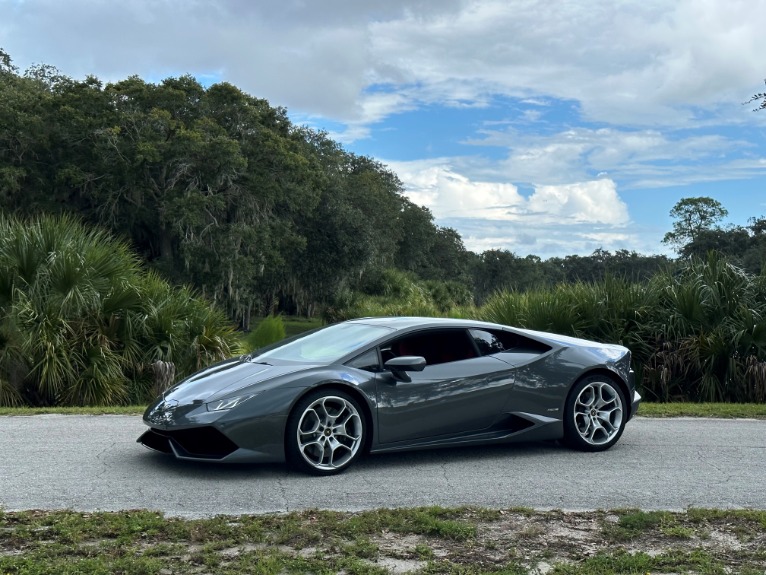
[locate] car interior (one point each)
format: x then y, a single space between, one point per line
442 346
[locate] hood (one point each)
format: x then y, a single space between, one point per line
226 378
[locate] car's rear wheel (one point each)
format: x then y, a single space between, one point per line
595 414
325 432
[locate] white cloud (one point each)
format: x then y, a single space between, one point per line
552 220
435 184
641 62
594 202
551 240
635 61
636 158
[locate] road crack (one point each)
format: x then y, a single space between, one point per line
283 493
100 457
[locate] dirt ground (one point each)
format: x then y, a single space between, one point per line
542 541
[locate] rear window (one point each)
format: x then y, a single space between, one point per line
490 341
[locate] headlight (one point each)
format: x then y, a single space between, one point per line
228 403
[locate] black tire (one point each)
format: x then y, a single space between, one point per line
595 414
326 432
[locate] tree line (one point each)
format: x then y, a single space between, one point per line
216 189
211 187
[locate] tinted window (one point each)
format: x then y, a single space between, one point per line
490 341
436 346
368 361
487 342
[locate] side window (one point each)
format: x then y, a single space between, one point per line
486 341
490 341
436 346
368 361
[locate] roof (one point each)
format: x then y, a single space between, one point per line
406 322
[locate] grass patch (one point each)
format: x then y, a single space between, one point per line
697 561
721 410
97 410
633 523
423 540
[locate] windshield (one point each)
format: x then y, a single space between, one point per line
327 345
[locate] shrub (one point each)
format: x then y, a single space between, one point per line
709 334
697 332
271 329
391 292
81 323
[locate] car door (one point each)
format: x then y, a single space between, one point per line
458 392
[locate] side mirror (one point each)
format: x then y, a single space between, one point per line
399 366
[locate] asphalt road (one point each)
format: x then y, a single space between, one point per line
89 463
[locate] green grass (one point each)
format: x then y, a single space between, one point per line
676 561
722 410
423 540
109 410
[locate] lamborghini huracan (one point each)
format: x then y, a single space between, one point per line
322 399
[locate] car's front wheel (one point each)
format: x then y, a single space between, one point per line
325 432
595 414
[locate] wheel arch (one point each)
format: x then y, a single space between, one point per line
351 390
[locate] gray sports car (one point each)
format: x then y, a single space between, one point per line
321 399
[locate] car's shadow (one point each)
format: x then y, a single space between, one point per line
457 455
407 461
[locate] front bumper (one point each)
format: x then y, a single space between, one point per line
635 403
196 443
207 444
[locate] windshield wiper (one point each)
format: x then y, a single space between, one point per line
251 358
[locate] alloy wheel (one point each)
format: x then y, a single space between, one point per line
598 413
329 433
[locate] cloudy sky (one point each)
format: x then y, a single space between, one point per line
545 127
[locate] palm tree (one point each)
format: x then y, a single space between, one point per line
82 321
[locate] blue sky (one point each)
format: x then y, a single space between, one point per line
544 127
